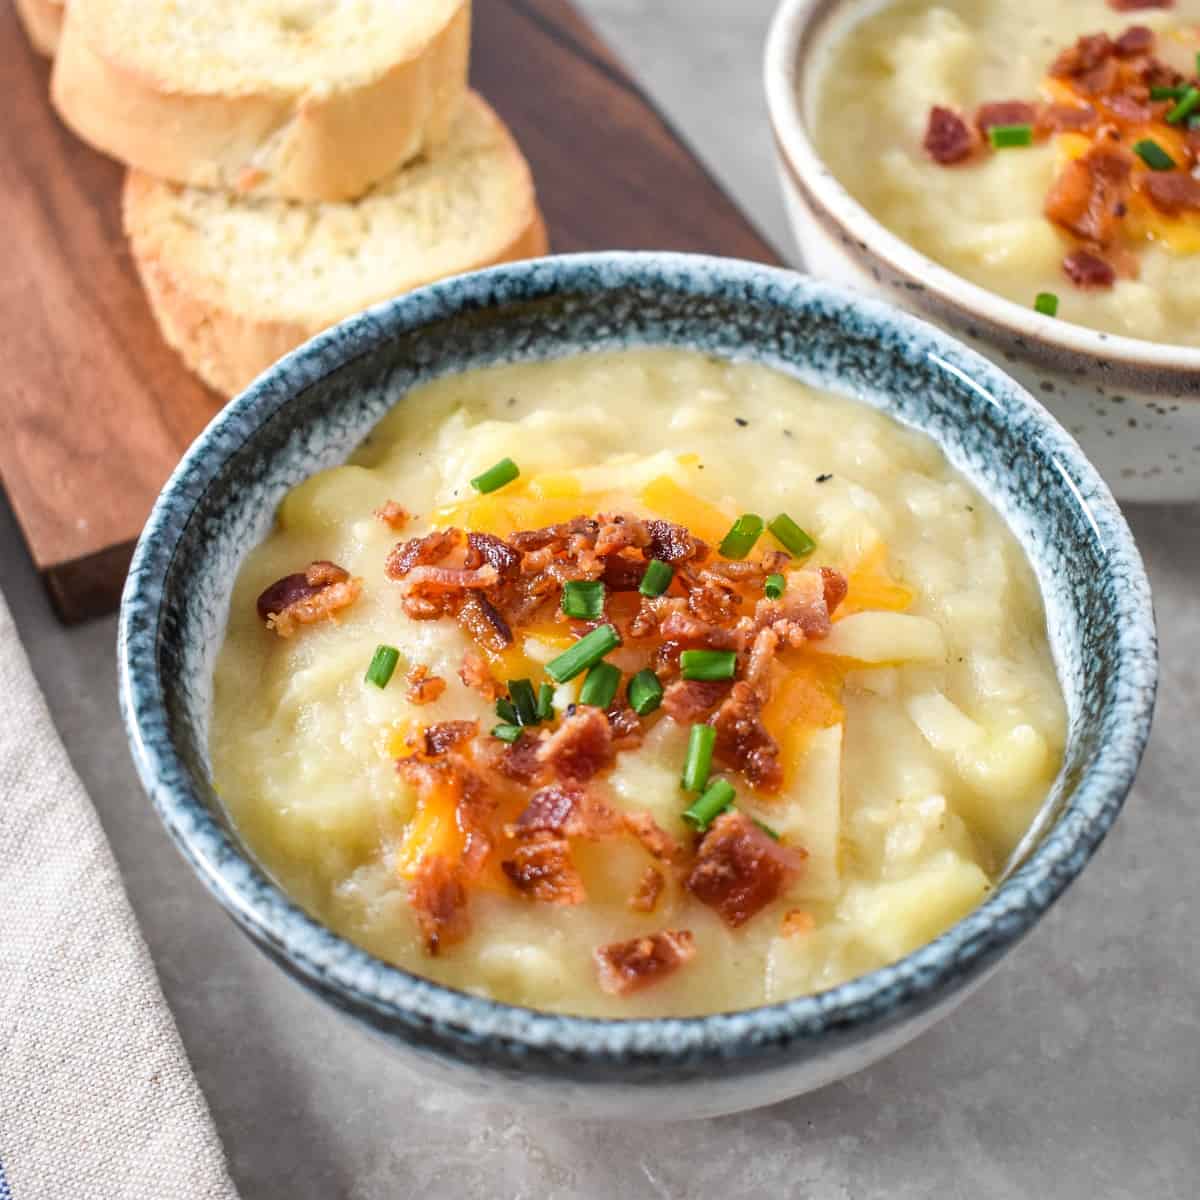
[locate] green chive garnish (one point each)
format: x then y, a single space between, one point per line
716 799
699 758
600 686
774 586
766 829
1004 137
657 578
583 599
585 653
1193 122
1047 304
1187 105
707 664
506 712
507 733
545 704
520 691
740 539
1153 155
1161 92
383 665
645 693
791 537
505 471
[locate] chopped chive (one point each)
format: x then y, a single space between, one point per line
506 712
1194 122
790 536
766 829
584 599
505 471
740 539
545 704
645 693
1162 92
699 758
1153 155
520 691
600 686
1003 137
716 799
1047 304
657 578
586 652
774 586
1187 105
708 664
383 665
507 733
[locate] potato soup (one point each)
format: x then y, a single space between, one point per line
636 684
1045 151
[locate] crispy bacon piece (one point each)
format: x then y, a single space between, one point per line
543 870
565 810
474 802
439 901
519 760
1101 80
621 531
1138 5
655 840
626 727
393 515
739 870
1086 269
423 688
1129 108
714 601
1136 40
1004 112
743 741
484 623
1089 52
689 701
625 967
445 734
584 529
649 889
475 674
1172 192
431 577
486 548
691 631
948 138
580 746
673 544
834 586
315 594
422 551
1091 194
752 571
623 574
1064 118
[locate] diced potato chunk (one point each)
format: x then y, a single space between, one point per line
884 637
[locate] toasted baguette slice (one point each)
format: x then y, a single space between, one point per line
309 99
43 21
235 282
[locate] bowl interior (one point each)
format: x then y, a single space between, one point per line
311 410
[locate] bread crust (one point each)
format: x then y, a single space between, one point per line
319 144
43 23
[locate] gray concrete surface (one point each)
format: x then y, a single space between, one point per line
1074 1074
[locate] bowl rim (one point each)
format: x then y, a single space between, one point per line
791 23
397 1000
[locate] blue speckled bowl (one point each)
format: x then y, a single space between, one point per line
311 410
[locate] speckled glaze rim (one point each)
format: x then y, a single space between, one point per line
794 32
421 1011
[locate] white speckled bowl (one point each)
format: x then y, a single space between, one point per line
1133 405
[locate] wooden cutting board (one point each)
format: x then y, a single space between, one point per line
95 410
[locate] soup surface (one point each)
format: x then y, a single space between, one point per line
1090 197
891 726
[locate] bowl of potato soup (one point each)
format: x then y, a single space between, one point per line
1027 175
650 685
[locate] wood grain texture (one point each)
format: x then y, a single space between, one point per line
95 409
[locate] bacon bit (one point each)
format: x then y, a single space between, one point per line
485 548
655 840
423 688
624 967
626 728
1091 194
484 624
1138 5
1065 118
543 871
475 674
689 701
619 531
649 889
834 587
422 551
1136 40
743 741
948 138
680 627
393 515
762 653
623 574
519 760
322 590
1004 112
739 870
565 810
580 746
445 734
1086 269
673 544
714 601
749 570
434 577
439 900
1127 108
1088 53
798 921
1101 79
1172 192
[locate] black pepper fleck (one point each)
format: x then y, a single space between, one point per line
824 478
741 421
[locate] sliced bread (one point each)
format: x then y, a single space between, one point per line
42 20
235 282
309 99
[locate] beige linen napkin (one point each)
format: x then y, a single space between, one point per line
96 1095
